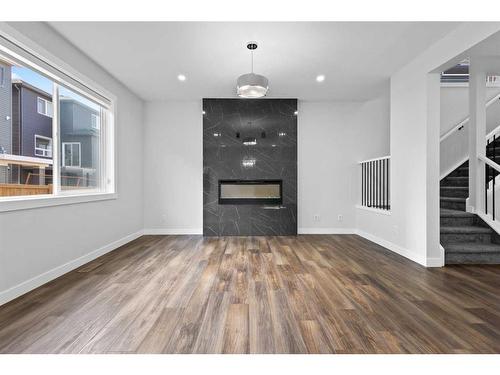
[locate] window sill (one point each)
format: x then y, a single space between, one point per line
29 202
375 210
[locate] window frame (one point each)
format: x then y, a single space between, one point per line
46 104
63 158
20 49
49 153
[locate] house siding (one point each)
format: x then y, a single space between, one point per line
76 127
32 121
5 116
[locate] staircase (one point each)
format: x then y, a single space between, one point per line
466 238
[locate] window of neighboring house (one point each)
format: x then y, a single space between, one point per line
95 121
70 100
43 146
71 154
44 107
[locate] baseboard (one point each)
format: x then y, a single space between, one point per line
35 282
393 247
172 231
326 231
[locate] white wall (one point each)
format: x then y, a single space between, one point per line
454 150
173 168
413 226
332 138
39 244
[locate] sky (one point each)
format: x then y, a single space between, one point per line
45 84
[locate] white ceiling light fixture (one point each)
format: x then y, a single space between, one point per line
181 77
252 85
320 78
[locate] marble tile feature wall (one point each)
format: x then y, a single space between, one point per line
227 123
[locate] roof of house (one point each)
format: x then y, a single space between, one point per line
31 87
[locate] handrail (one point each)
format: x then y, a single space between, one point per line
462 123
375 159
493 132
490 162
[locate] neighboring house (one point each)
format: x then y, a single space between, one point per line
80 128
26 132
32 113
5 117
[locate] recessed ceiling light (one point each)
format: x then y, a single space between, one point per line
320 78
296 113
281 134
181 77
203 112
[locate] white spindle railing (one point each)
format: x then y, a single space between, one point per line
375 183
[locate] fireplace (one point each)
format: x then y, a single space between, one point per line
250 191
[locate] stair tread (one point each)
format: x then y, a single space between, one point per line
466 229
447 212
472 247
453 199
455 187
458 177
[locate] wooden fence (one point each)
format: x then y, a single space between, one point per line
9 190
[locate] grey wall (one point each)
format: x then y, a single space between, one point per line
223 156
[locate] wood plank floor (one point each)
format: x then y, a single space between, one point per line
305 294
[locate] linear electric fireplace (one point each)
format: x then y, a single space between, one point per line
250 191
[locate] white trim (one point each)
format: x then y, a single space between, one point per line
393 247
63 154
451 169
490 162
47 152
46 106
375 210
495 225
326 231
173 231
35 282
27 202
25 159
375 159
466 120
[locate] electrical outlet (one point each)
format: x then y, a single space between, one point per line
340 218
316 217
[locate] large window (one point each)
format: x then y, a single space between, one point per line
69 150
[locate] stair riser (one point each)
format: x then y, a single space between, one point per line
455 193
463 182
464 237
458 221
453 205
472 258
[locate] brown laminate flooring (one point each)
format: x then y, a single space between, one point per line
304 294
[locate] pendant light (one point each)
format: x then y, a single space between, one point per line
252 85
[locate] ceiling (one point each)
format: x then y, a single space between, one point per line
357 58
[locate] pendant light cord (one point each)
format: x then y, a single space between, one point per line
252 60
